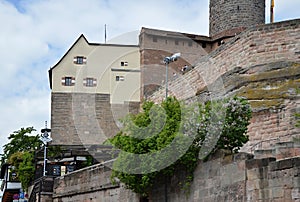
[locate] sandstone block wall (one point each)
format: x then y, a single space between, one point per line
229 14
271 126
261 64
83 118
90 184
238 178
155 45
223 177
256 46
269 180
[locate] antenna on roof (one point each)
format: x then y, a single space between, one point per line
105 33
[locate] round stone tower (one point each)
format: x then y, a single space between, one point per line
227 17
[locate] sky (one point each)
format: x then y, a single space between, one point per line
35 34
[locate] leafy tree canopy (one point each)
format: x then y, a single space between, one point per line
19 152
205 128
21 141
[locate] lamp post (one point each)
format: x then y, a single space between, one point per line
167 61
45 138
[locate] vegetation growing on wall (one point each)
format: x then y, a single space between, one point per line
195 130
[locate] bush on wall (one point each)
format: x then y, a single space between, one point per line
196 131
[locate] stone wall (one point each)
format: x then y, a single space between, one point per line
90 184
155 45
237 178
256 46
223 177
226 15
261 64
271 126
84 118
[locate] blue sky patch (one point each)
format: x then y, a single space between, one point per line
18 4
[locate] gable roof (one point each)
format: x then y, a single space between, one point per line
50 70
92 44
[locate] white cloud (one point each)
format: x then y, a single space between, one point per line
36 33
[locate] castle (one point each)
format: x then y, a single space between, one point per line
241 56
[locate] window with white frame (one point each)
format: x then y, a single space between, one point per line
90 82
120 78
124 63
79 60
68 81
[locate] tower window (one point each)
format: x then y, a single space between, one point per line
176 42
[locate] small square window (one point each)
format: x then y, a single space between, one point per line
79 60
154 39
124 64
89 82
68 81
120 78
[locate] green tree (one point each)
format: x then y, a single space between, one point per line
20 141
226 121
205 129
19 152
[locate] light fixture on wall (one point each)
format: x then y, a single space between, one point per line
168 60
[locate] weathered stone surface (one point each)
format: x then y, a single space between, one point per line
227 15
261 64
92 183
242 179
85 119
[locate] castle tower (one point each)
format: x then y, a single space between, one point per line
227 17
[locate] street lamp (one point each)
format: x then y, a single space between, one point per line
45 138
168 60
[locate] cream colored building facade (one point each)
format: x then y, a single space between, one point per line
99 69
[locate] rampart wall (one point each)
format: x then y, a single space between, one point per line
90 184
261 64
256 46
224 177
